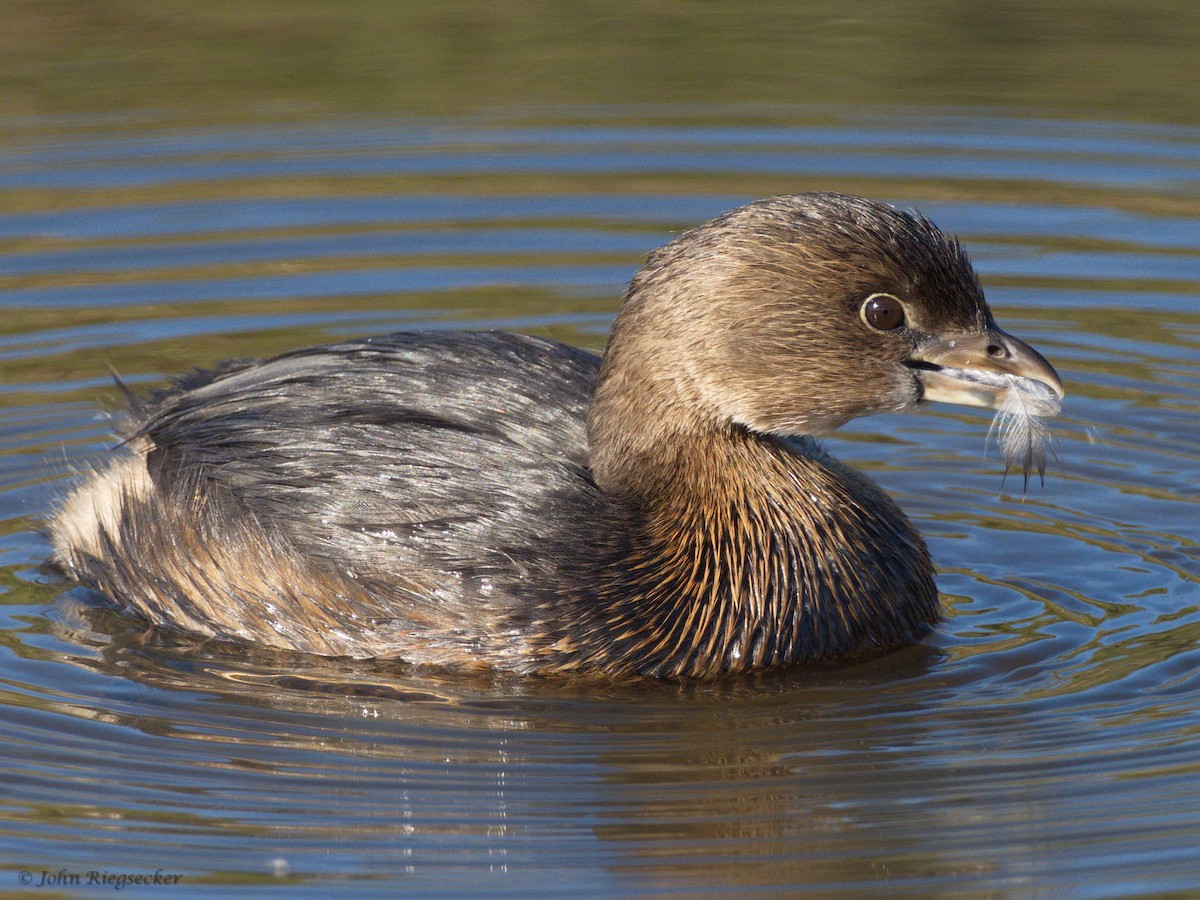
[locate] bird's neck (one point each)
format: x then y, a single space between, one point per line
747 553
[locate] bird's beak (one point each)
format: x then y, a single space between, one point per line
983 368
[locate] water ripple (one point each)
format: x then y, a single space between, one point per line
1040 741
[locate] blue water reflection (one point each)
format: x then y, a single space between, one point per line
1042 741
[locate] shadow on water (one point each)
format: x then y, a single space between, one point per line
658 774
665 786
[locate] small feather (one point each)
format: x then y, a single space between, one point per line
1021 427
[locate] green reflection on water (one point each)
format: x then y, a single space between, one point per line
236 60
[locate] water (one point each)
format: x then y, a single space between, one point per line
1041 742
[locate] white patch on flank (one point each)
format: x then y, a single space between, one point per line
95 507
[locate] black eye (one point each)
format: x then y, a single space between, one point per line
883 311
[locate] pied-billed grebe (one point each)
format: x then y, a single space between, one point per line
497 500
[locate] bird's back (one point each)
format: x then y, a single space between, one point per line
403 483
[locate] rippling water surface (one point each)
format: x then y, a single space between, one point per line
1042 741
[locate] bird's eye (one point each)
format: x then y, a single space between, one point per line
883 311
